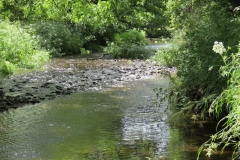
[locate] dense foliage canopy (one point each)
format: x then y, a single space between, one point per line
82 26
100 15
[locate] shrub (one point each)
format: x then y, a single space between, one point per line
6 67
58 37
207 22
208 81
130 44
167 56
131 36
19 49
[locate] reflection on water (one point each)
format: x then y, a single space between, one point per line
146 122
115 123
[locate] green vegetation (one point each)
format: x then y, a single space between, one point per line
229 100
62 27
206 47
58 38
207 80
19 49
129 44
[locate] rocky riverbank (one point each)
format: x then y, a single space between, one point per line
66 76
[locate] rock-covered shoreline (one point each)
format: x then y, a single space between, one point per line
18 90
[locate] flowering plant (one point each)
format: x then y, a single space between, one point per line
218 47
229 99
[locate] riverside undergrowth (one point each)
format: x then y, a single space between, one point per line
129 44
206 83
19 49
229 134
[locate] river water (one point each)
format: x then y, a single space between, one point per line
119 122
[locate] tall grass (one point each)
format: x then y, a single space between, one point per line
207 81
229 133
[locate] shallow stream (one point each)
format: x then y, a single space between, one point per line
115 122
120 122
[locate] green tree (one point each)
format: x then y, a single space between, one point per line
66 27
100 14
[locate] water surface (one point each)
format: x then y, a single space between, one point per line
120 122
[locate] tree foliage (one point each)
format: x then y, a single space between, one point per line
69 27
120 15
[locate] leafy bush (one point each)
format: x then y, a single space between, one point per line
59 38
207 22
130 44
166 57
131 36
208 80
19 49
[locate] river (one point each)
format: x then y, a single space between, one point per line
119 122
114 122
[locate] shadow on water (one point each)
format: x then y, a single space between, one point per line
121 122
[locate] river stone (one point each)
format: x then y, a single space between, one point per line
138 77
15 94
20 80
36 86
33 85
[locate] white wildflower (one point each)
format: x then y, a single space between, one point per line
210 68
218 47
